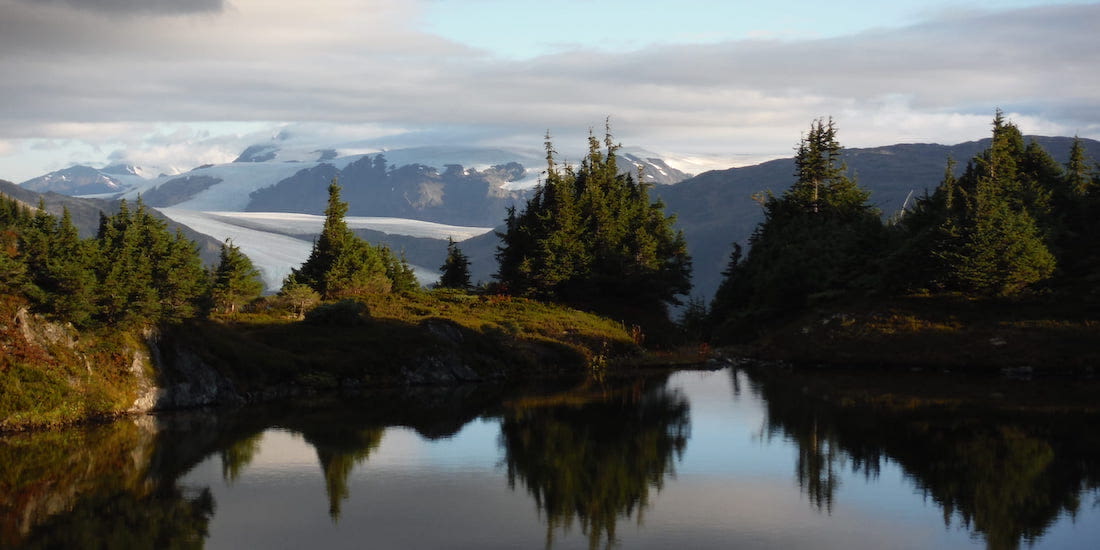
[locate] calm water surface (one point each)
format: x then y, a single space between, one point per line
724 459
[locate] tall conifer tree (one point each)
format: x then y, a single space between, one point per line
455 271
236 281
591 237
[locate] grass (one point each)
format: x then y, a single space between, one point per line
945 332
50 375
496 336
57 376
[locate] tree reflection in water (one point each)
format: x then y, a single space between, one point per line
93 488
1005 473
592 456
339 450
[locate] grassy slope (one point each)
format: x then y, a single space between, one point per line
944 332
492 335
81 376
49 375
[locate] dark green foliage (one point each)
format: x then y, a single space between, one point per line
1077 200
343 313
1078 180
591 238
236 281
67 277
133 271
598 460
398 271
341 264
817 240
13 272
145 273
455 269
987 232
298 297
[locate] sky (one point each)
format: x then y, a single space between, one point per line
173 84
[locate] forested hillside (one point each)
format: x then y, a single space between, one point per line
716 209
1013 222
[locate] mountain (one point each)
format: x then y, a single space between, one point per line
715 209
470 188
373 187
83 180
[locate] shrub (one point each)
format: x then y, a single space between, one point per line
342 313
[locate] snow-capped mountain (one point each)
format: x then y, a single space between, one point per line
85 180
269 199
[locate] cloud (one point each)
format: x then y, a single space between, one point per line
135 7
70 74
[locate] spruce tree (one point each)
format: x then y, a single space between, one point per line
341 264
236 281
455 269
401 276
13 272
991 243
817 240
1078 179
144 273
299 297
71 278
591 237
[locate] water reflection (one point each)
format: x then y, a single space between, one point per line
116 485
581 463
593 457
339 450
80 488
1007 470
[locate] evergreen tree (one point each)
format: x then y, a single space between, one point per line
592 238
1078 179
818 239
991 243
1078 206
455 269
13 272
182 282
400 274
236 281
299 297
145 274
341 264
71 282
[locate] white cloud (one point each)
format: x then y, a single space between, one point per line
340 66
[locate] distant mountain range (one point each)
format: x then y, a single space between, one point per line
85 180
472 187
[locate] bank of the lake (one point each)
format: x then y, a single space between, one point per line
1014 336
55 375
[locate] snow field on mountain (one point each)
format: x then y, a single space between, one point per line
262 236
307 224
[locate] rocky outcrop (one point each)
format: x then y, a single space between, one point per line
171 377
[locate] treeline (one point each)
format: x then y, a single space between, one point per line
1016 220
133 271
136 272
591 238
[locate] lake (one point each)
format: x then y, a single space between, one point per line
694 459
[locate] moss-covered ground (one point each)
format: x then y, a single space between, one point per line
947 332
